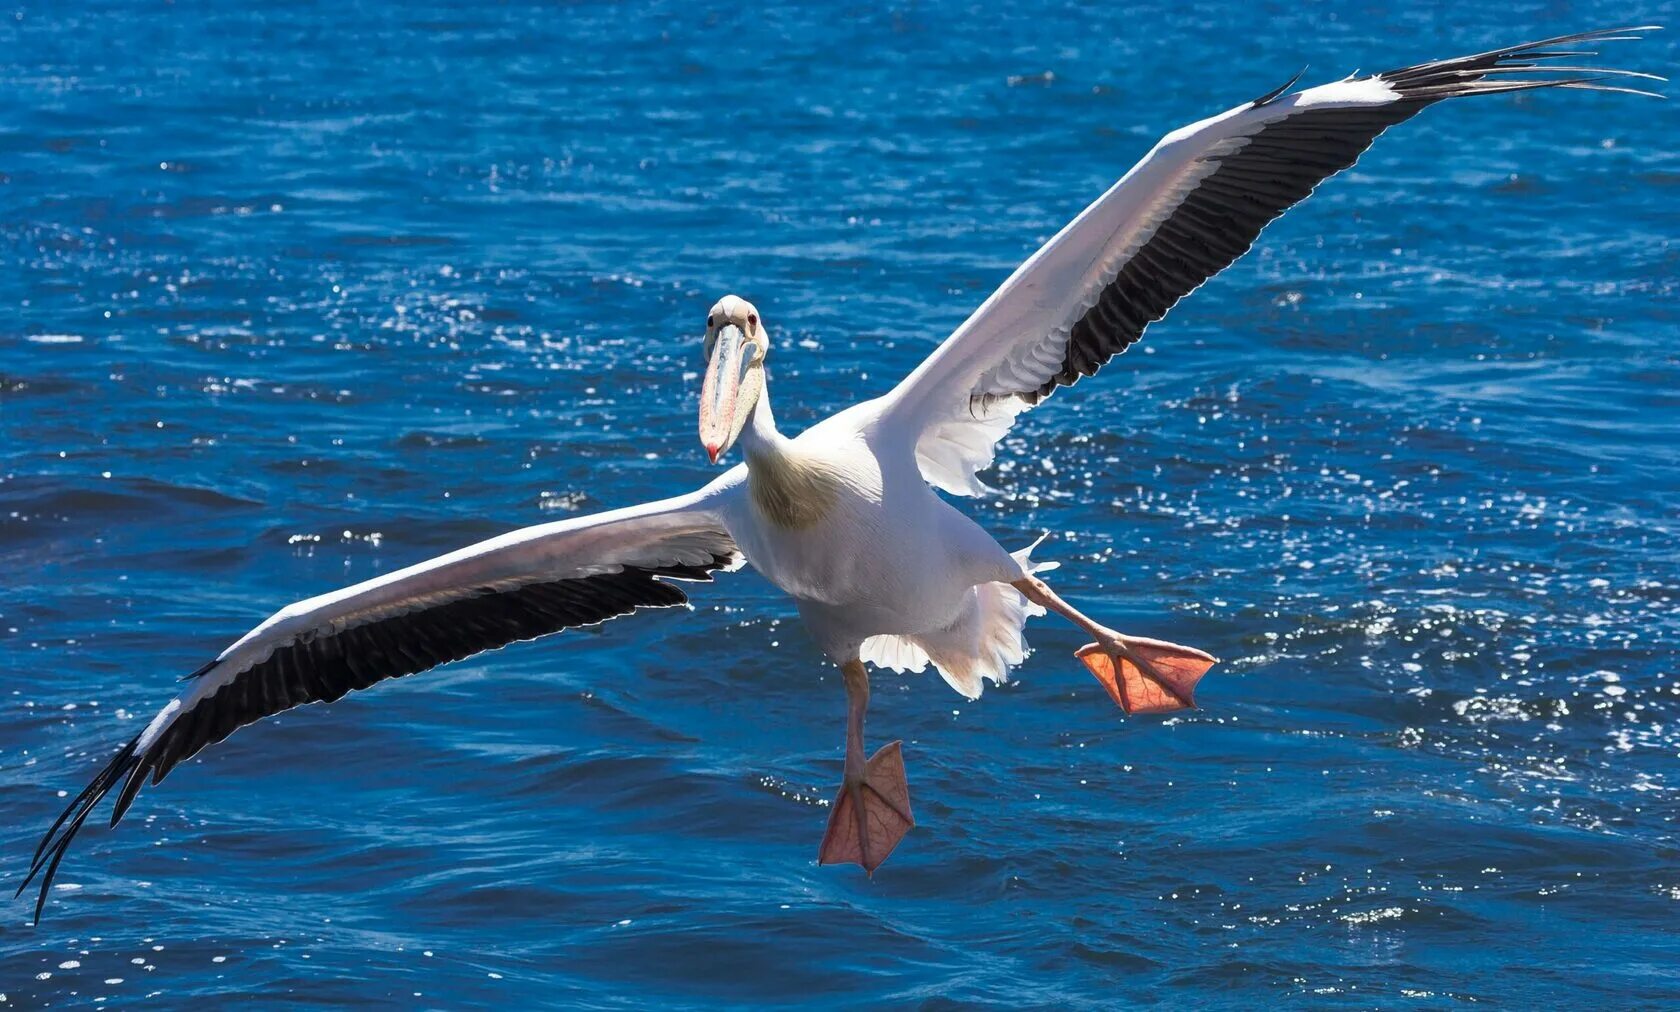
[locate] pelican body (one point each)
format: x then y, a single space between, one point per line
845 517
841 519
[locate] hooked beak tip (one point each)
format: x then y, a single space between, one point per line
713 451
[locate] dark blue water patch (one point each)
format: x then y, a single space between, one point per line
299 297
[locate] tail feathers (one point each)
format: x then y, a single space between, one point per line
1003 619
989 639
897 653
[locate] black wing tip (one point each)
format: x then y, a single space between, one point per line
201 671
1272 96
1470 75
55 844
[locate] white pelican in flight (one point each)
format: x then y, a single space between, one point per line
844 517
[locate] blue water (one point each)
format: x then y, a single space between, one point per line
299 295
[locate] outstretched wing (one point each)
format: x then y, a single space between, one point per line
519 586
1188 210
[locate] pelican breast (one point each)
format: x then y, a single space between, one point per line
795 490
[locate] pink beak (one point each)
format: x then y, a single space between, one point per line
721 390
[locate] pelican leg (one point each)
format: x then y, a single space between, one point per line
872 811
1141 675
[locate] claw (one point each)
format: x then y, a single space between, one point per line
1145 675
870 814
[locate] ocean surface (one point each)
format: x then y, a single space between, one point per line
300 294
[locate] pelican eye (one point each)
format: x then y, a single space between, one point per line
752 319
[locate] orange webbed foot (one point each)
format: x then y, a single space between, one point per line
1147 676
871 814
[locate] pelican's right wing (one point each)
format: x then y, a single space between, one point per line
1181 215
519 586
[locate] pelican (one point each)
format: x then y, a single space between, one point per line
846 517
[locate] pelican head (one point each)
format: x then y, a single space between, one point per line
735 348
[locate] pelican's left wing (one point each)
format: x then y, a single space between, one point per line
519 586
1183 214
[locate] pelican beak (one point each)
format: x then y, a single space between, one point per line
720 396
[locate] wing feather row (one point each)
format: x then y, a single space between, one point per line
1214 225
521 586
1189 209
